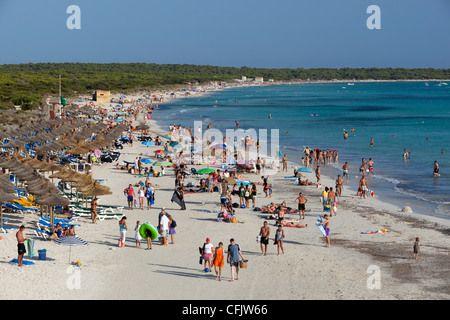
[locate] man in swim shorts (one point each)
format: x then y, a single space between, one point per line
331 201
20 245
370 164
264 233
362 168
363 186
301 201
345 169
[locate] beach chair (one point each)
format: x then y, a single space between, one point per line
42 233
103 216
6 229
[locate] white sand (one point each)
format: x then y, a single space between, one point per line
307 270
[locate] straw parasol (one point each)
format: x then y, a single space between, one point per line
53 200
79 149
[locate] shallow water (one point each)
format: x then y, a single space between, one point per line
397 115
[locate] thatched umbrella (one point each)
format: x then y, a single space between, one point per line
53 200
94 190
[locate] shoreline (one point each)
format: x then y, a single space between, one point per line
307 270
380 214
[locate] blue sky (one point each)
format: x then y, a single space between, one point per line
253 33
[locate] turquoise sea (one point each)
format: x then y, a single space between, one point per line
397 115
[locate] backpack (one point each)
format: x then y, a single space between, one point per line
173 224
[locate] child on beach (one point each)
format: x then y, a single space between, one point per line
172 225
137 236
416 248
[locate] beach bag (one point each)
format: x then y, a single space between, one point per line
235 205
173 224
243 264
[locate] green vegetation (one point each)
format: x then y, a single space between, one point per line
27 84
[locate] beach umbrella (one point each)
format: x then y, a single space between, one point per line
201 171
163 164
231 180
148 143
148 161
5 197
53 200
160 151
168 136
78 150
71 241
176 145
142 127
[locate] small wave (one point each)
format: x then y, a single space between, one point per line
188 109
443 210
419 195
388 179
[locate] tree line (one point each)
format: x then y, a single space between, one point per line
28 84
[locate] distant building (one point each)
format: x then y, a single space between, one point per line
244 78
102 96
259 79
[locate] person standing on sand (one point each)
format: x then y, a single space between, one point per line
123 230
416 248
331 201
233 254
218 261
363 186
94 205
301 201
264 233
326 226
137 236
339 185
129 192
285 161
258 166
207 253
20 245
279 236
318 175
164 227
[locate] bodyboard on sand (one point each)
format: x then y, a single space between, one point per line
30 246
321 228
147 226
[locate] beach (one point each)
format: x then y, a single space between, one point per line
356 267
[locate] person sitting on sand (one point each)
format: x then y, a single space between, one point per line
305 182
298 174
58 230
